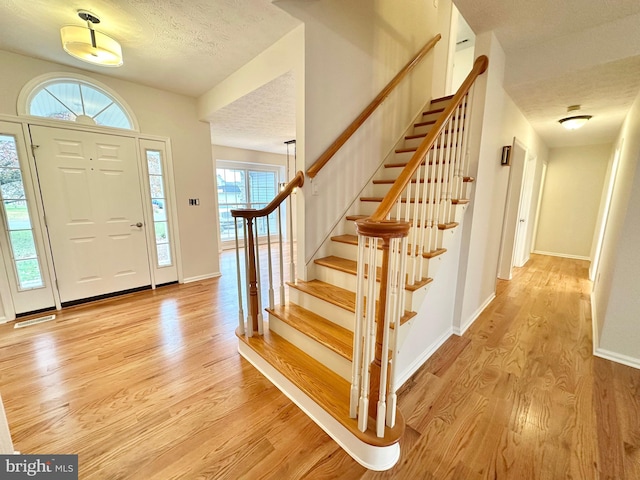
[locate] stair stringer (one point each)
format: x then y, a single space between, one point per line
421 336
339 226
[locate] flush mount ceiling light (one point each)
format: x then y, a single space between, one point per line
573 122
89 45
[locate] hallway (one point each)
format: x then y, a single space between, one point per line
150 386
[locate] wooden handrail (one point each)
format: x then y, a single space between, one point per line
366 113
479 67
297 181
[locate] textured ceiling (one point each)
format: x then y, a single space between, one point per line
184 46
261 120
566 53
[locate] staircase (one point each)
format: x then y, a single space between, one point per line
307 346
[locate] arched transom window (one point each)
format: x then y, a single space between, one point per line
77 101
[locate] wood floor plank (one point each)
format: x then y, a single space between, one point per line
150 386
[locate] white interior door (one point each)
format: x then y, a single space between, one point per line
521 252
93 209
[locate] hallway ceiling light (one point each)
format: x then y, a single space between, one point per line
89 45
574 122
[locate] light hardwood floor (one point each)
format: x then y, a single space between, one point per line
150 386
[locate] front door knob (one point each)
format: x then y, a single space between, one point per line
139 225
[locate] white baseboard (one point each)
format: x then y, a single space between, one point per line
608 354
369 456
563 255
594 324
465 326
198 278
618 358
418 362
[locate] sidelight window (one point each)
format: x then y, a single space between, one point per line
159 204
17 218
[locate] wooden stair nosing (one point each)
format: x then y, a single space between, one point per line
441 226
391 182
329 390
454 201
441 99
414 149
435 110
424 135
353 240
337 339
337 296
349 267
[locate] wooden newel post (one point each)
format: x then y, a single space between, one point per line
253 278
386 230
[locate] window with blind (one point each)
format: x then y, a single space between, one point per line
243 186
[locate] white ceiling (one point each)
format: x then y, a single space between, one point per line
558 54
261 120
184 46
566 53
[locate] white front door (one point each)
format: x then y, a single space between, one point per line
93 209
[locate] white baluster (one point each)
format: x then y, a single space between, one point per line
358 329
369 333
270 266
281 253
398 313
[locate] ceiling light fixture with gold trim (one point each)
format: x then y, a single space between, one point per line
574 122
89 45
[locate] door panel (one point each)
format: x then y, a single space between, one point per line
91 194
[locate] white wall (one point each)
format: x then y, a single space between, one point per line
220 152
616 293
286 55
571 199
159 113
352 50
496 122
462 64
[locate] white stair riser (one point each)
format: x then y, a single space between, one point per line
348 282
351 230
424 130
381 189
336 314
322 354
345 250
431 116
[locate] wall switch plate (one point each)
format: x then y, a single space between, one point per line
314 188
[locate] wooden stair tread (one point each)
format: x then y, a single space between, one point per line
441 226
441 99
447 226
413 149
323 331
454 201
353 240
326 388
391 182
429 122
349 266
434 110
337 296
